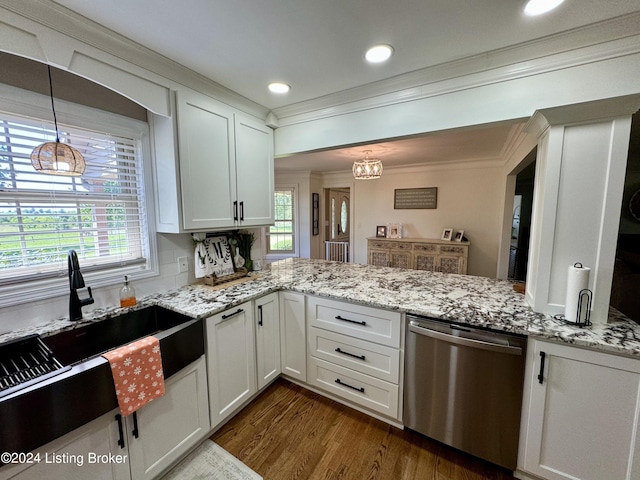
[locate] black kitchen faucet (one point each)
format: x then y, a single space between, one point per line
76 282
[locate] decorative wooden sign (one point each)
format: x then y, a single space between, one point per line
406 198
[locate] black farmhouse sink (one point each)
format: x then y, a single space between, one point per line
79 344
55 406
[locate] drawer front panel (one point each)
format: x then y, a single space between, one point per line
451 250
365 357
369 392
366 323
425 247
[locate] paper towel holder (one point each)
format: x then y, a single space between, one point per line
584 301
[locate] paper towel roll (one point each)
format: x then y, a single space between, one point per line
577 280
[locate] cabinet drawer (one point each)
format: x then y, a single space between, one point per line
365 357
425 247
366 323
453 250
369 392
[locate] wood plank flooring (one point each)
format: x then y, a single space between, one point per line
290 433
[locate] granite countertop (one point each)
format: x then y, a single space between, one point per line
476 301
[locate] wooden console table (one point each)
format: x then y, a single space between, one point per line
419 254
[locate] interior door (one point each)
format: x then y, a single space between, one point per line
339 213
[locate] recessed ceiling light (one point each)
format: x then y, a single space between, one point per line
278 87
538 7
379 53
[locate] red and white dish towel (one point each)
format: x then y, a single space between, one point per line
137 373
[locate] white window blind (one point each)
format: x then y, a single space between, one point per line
100 214
281 236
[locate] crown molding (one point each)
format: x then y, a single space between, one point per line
64 21
597 42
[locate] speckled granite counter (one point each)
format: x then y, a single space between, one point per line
477 301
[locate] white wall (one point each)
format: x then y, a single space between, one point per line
470 198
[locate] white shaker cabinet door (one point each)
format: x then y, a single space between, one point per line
231 360
293 336
96 451
254 172
580 415
267 324
207 162
169 426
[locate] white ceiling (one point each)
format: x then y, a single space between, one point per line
318 46
463 145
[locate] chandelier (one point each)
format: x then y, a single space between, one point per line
55 157
367 168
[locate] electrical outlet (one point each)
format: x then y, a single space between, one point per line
183 264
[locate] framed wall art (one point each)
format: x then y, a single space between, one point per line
315 205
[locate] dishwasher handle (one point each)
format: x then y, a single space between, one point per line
466 342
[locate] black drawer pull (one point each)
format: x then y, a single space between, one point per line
338 317
235 210
541 374
260 315
224 317
361 357
339 382
120 431
242 211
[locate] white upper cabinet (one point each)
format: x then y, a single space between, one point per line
207 162
254 172
224 167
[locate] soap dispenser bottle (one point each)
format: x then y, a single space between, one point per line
127 294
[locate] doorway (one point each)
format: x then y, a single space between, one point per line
337 224
521 223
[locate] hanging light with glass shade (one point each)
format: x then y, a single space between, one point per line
367 168
54 157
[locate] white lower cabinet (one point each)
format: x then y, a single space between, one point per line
169 426
354 353
293 343
68 457
107 449
267 324
580 416
231 360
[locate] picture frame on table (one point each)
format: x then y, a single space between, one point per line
447 234
459 236
381 231
394 230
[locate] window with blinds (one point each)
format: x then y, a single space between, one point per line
100 215
281 236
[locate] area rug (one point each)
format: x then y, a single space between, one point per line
211 462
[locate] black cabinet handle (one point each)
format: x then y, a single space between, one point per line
338 317
242 211
235 210
224 317
541 374
260 315
361 357
135 431
120 431
339 382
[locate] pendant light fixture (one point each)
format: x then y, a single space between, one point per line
54 157
367 168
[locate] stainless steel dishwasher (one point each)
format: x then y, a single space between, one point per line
463 387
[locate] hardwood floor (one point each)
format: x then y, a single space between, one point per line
290 433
